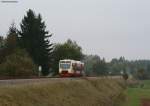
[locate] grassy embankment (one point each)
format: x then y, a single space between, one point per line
82 92
137 93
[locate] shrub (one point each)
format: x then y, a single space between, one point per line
18 64
125 76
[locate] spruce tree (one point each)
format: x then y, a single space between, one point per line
35 39
12 39
9 44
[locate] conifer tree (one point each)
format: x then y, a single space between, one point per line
12 39
35 39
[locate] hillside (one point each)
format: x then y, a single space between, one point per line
69 92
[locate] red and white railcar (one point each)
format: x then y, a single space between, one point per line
71 68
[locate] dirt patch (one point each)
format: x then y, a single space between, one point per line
145 102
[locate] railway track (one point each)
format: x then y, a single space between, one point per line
47 79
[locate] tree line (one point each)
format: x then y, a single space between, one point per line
23 50
139 69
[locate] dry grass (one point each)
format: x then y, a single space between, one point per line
84 92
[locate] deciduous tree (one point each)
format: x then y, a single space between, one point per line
68 50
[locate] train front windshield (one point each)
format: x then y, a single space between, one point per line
65 65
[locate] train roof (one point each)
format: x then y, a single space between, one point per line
74 61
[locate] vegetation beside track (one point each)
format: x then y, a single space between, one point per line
81 92
137 92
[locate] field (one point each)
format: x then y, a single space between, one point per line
66 92
139 94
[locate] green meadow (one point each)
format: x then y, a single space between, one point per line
138 92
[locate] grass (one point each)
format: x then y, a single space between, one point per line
135 94
83 92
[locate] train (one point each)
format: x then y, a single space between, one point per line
71 68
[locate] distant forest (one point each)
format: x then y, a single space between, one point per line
96 66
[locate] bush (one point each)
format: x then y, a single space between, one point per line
18 64
141 74
125 76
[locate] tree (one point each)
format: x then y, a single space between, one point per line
1 42
9 44
67 50
148 67
11 40
89 61
2 46
35 39
118 65
141 74
100 67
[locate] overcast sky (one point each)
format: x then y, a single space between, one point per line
109 28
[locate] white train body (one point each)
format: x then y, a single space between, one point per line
70 68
